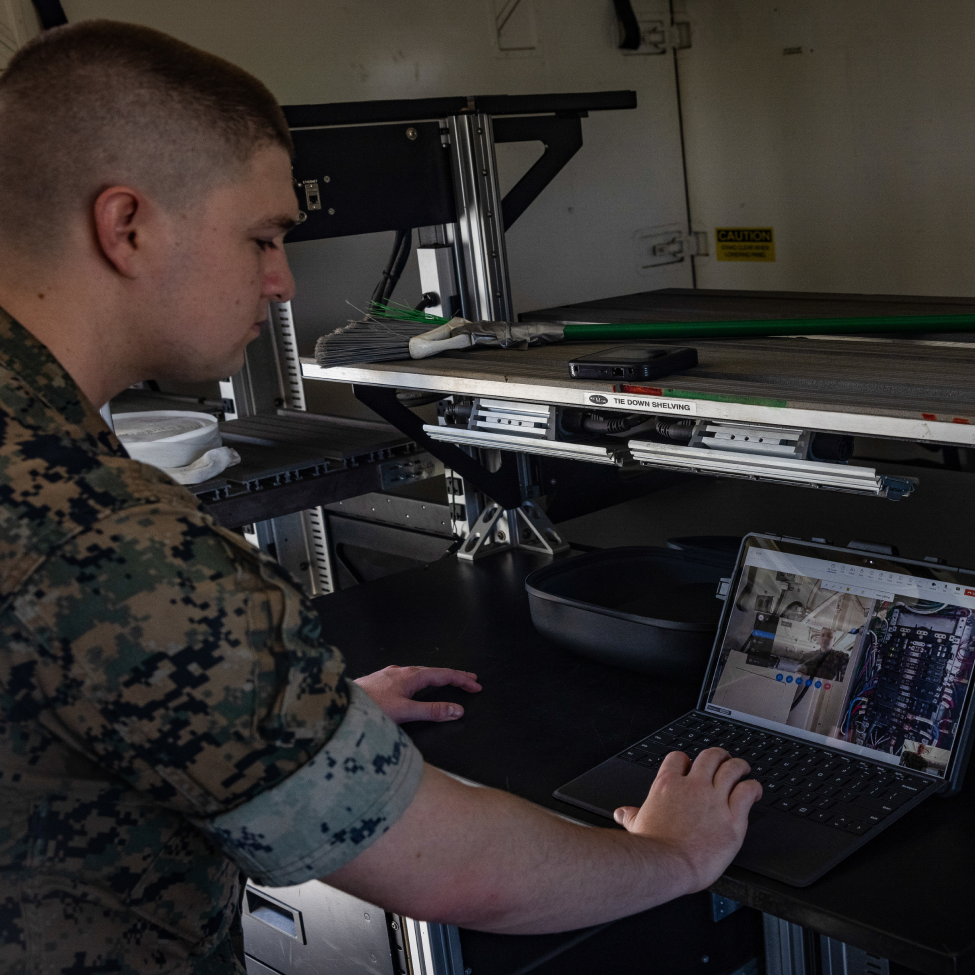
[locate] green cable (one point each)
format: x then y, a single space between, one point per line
586 331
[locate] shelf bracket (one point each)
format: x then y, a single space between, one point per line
501 486
562 137
497 530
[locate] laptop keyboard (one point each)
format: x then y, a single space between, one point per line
801 779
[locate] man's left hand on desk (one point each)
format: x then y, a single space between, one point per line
392 688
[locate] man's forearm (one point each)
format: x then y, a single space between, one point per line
484 859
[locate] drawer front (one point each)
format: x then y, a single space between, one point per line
314 928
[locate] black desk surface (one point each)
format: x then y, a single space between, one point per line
545 716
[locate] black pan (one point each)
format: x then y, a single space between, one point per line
654 610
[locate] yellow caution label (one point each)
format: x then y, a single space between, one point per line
745 244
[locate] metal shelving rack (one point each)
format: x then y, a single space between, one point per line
294 462
429 164
755 403
365 167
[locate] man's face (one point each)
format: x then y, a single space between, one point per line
227 263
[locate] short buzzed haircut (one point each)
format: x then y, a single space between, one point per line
98 104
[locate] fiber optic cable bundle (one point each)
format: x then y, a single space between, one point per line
388 334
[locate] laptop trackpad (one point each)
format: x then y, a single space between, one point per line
610 785
791 849
777 845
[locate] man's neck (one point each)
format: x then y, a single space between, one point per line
72 314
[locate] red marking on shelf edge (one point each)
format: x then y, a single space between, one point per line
645 390
934 416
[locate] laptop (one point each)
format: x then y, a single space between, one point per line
842 676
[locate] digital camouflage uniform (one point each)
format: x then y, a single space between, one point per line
170 717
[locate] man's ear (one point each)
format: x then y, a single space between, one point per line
120 213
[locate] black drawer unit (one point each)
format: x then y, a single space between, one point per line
314 928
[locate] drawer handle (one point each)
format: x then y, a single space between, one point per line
277 915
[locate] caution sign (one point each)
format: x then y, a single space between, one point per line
745 244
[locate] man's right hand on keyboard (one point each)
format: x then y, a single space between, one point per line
697 810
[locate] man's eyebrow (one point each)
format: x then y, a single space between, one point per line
286 223
281 223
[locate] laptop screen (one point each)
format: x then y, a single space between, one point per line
857 651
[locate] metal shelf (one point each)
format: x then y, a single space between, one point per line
292 461
916 389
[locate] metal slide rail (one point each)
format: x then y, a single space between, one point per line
784 470
593 453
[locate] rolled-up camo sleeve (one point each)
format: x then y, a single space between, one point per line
329 810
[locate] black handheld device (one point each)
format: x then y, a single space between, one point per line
632 362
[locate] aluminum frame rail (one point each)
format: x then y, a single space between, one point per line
765 467
433 949
525 428
269 379
594 453
479 242
791 949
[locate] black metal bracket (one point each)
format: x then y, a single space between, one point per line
417 109
50 13
562 137
364 179
501 486
357 176
631 26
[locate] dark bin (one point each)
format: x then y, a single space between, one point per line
653 610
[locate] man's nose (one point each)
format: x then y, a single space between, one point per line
279 283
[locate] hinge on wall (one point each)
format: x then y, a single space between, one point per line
659 37
669 245
697 244
514 23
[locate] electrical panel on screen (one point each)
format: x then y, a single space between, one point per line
873 658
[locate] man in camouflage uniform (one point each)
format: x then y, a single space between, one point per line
170 715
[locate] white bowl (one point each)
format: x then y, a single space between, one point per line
167 438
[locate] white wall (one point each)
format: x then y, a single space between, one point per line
577 240
18 24
860 151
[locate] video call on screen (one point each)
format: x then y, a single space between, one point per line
870 657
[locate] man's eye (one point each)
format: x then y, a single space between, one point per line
264 244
